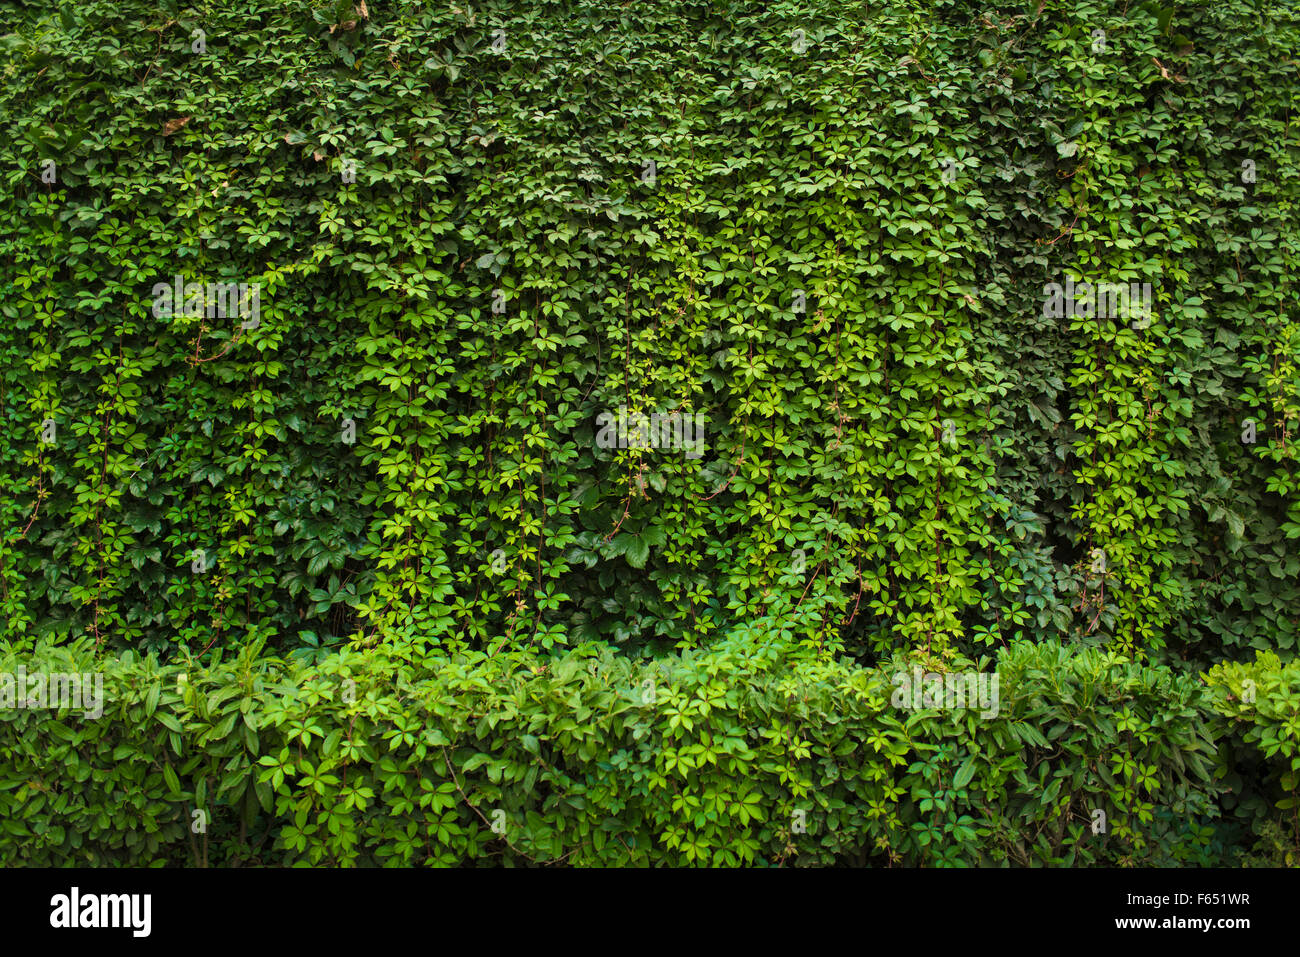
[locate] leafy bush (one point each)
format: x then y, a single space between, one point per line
1260 760
759 750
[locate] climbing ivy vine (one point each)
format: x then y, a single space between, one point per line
821 233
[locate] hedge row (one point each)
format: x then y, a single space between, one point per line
1259 754
760 750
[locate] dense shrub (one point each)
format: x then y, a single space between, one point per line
713 757
1260 752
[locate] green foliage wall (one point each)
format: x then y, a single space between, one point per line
917 459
